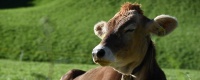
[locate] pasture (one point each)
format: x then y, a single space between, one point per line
62 29
17 70
55 30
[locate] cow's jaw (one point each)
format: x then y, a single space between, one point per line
126 68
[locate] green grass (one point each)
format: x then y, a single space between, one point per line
69 30
16 70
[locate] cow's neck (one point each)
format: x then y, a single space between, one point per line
148 69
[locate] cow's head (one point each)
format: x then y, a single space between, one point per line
125 37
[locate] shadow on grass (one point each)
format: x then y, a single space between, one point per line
9 4
39 76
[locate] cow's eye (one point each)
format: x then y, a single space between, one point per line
129 30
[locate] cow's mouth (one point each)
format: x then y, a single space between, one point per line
102 63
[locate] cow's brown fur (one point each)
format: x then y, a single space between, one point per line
128 6
129 56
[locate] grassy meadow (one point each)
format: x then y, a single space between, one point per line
61 31
16 70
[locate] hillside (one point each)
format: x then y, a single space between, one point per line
62 30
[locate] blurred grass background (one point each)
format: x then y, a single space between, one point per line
61 31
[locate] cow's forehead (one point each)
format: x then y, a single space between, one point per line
122 21
124 16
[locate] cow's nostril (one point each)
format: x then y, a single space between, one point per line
100 53
93 55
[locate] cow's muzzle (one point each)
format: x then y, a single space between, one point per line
102 55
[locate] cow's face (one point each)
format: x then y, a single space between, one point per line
123 41
125 38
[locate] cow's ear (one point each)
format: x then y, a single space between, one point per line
100 29
162 25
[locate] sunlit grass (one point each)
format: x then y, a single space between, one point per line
16 70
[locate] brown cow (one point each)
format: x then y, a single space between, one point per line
126 51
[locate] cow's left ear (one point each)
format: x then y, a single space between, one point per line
100 29
162 25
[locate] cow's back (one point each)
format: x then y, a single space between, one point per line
100 73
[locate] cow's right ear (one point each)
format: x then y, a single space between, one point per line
162 25
100 29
